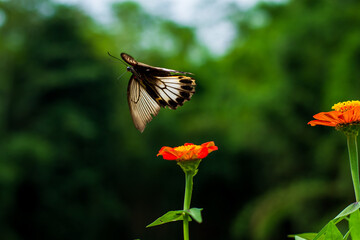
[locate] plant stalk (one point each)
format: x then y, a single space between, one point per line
354 163
187 199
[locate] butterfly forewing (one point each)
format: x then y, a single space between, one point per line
175 90
129 59
152 87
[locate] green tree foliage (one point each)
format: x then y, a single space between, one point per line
56 105
72 166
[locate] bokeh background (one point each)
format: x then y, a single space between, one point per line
73 166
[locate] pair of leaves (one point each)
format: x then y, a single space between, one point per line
178 215
331 232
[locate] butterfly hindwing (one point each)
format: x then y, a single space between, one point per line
151 88
142 105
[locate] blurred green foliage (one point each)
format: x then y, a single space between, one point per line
73 166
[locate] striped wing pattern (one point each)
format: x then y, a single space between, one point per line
142 105
151 88
146 96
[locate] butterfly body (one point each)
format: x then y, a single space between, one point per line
151 88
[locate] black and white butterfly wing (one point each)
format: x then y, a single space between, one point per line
147 96
151 88
142 105
174 90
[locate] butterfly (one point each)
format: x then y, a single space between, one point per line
151 88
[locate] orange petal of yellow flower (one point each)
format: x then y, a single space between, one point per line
321 122
334 118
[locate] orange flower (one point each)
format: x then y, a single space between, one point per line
345 113
188 151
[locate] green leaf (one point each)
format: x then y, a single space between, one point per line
347 235
332 232
348 210
320 235
300 238
195 213
304 236
354 225
170 216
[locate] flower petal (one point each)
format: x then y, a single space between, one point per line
188 151
168 153
331 119
347 116
328 116
208 144
203 152
169 156
321 122
161 150
212 148
357 114
206 148
352 115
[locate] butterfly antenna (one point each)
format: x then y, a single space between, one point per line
117 58
121 75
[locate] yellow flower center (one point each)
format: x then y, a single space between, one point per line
186 148
345 106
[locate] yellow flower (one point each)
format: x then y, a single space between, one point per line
345 113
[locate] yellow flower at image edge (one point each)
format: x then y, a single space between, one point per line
345 113
188 151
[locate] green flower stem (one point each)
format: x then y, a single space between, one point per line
354 163
190 169
187 199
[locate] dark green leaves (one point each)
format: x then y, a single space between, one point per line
178 215
304 236
195 213
331 232
170 216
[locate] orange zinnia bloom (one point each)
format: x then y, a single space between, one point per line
345 113
188 151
